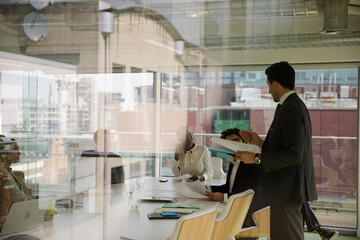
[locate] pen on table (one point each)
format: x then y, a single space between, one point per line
180 207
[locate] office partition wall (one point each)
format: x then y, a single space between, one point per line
66 72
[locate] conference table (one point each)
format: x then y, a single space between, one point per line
134 224
117 220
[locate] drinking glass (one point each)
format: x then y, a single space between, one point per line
140 182
132 198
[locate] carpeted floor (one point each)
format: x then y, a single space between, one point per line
315 236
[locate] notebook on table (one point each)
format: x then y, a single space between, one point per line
175 210
23 216
164 215
159 199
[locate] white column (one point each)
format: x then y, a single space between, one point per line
156 167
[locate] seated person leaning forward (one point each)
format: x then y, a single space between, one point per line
11 154
191 158
5 194
12 184
240 177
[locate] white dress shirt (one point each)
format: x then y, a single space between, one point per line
233 174
285 96
232 177
196 161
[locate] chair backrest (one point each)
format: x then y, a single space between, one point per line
262 225
198 225
218 170
229 222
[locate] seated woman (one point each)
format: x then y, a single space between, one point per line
14 180
5 194
191 158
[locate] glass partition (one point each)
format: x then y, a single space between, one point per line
240 99
92 93
53 118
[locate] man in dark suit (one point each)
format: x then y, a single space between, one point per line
286 156
240 177
248 176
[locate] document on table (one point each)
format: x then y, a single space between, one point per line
193 189
180 178
175 209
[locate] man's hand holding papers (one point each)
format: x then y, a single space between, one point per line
246 156
252 138
231 147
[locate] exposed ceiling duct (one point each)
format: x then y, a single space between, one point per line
281 41
335 16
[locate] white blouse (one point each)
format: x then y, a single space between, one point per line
196 161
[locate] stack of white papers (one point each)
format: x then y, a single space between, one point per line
180 178
230 147
193 189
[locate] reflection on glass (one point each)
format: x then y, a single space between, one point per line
54 93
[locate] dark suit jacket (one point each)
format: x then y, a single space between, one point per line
248 176
287 156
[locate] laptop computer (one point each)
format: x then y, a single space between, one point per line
23 216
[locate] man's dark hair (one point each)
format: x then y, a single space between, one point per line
229 132
283 73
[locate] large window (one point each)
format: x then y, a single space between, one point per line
141 69
331 96
53 117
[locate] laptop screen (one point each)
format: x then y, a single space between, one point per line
23 216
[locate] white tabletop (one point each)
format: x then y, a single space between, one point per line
116 220
135 224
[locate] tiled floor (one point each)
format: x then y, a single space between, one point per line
315 236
